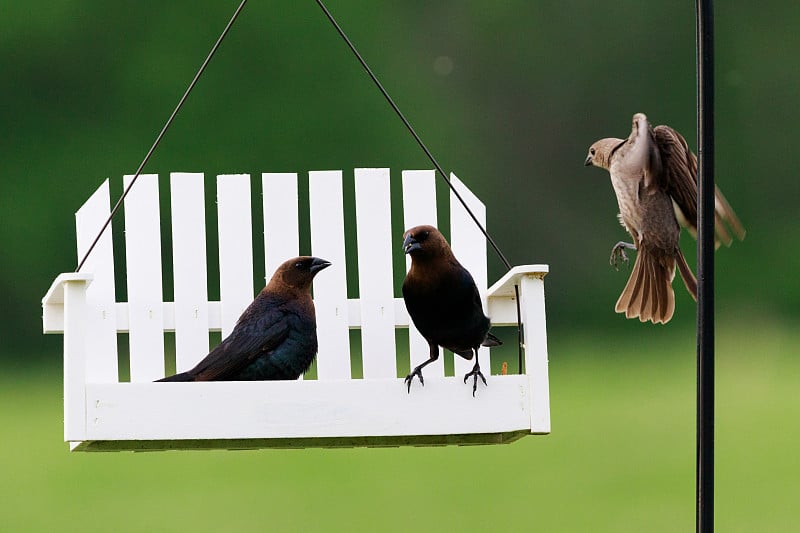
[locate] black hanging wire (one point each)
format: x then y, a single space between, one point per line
413 133
161 135
385 94
705 267
435 164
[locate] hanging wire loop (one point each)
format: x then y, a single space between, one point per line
161 134
413 133
386 95
439 169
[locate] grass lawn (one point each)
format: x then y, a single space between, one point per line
621 457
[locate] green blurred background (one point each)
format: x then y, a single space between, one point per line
508 95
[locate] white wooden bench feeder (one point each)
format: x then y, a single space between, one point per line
101 413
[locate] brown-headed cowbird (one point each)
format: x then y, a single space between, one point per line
654 175
443 302
276 336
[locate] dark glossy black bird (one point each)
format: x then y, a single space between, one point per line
443 302
276 336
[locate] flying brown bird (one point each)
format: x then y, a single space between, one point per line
654 175
443 302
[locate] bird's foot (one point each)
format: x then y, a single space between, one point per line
475 373
618 251
416 372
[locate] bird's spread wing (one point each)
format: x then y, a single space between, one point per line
678 174
252 336
679 180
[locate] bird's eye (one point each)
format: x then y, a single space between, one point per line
425 235
299 264
591 151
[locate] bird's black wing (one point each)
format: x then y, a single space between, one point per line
258 331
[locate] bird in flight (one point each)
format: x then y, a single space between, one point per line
654 175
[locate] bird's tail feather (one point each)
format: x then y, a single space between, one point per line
183 376
648 294
491 340
687 276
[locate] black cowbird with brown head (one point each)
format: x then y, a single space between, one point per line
276 336
443 302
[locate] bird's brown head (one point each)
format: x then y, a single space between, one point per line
600 152
297 273
425 241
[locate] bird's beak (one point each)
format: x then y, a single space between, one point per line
318 264
588 161
410 244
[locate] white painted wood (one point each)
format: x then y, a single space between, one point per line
375 283
501 298
504 287
281 230
502 311
235 247
75 336
145 295
190 271
304 408
530 279
536 362
215 320
419 199
53 301
469 247
101 339
281 220
335 407
419 207
330 286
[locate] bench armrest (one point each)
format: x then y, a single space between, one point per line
501 296
53 301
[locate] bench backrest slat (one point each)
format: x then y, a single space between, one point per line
101 345
281 228
145 292
190 285
419 207
469 246
235 247
375 283
330 288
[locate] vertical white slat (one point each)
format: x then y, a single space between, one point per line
330 286
376 293
75 338
281 220
235 247
281 229
534 322
101 328
189 268
469 247
145 295
419 207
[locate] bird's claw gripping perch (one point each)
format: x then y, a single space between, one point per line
617 252
409 378
475 373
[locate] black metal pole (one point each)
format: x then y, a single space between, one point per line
705 266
